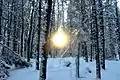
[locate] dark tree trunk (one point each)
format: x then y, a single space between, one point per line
63 12
15 29
45 46
39 29
1 3
101 36
85 51
118 31
22 33
1 28
30 33
77 61
91 44
96 41
91 56
52 27
31 48
25 48
8 31
9 26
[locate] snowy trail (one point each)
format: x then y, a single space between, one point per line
31 74
23 74
56 70
61 74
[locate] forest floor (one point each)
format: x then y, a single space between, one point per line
57 70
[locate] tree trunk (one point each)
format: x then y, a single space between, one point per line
77 61
96 41
1 39
91 44
101 36
118 31
8 31
15 30
45 46
39 29
86 53
30 33
22 33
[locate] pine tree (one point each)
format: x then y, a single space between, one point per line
39 29
118 28
22 31
101 31
8 31
1 40
91 44
15 28
45 46
96 41
30 32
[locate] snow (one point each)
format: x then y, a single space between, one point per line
57 70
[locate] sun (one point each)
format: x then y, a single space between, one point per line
60 39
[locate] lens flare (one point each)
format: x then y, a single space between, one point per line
60 38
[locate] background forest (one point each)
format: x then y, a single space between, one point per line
26 26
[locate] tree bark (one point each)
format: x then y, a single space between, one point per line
45 46
22 33
1 40
30 33
77 61
39 29
86 53
8 31
118 27
96 41
15 29
101 36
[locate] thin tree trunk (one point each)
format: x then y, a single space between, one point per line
22 33
77 61
91 56
15 30
1 40
39 29
91 44
10 26
30 33
31 48
63 12
8 31
86 53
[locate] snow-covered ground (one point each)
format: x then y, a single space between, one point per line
57 70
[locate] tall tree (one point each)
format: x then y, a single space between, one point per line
15 27
96 41
8 30
38 43
22 31
118 28
1 3
45 46
101 31
30 32
91 44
